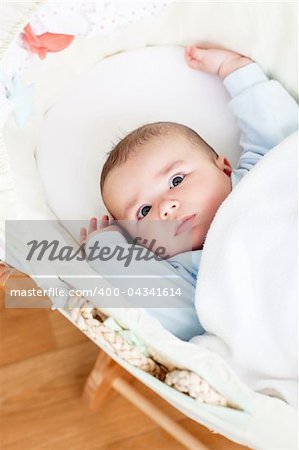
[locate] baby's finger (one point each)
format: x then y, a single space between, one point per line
104 221
93 223
190 60
83 235
187 53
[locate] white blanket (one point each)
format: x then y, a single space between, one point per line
246 293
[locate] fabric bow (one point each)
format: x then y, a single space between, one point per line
46 42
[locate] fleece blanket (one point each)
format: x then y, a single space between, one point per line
246 293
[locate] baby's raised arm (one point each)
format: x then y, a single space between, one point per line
266 113
215 61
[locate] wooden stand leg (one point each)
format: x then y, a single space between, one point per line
98 385
108 375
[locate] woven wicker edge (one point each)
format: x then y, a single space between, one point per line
91 321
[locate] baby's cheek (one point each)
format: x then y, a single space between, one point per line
210 199
211 204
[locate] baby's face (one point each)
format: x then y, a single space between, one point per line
168 191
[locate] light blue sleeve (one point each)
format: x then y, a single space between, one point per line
182 320
266 113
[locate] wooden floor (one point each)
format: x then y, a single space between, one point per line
44 363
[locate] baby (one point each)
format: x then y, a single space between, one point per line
165 173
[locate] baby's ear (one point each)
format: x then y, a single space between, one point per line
223 164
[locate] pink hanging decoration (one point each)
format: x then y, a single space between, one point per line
46 42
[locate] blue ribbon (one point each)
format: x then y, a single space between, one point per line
21 96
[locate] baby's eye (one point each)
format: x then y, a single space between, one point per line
143 211
175 180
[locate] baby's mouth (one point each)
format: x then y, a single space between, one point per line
184 224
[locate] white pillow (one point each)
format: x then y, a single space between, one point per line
121 93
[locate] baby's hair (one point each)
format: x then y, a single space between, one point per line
126 146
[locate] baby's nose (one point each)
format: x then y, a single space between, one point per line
168 208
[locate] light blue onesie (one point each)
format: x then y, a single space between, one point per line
266 115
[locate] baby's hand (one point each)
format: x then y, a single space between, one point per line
215 61
94 228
